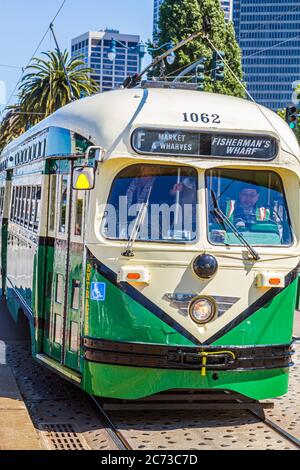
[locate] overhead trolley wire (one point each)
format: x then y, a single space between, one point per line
33 55
274 21
11 66
259 51
247 92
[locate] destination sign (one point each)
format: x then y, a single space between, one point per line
204 144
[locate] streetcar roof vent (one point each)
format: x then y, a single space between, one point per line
174 85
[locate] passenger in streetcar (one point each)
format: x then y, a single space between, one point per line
141 187
186 190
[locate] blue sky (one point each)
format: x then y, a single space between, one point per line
23 24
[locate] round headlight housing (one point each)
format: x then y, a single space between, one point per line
203 310
205 266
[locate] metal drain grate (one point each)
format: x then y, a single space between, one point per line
62 436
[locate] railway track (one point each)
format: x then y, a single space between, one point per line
282 432
227 405
111 428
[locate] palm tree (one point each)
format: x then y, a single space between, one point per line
45 89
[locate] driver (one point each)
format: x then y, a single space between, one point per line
247 210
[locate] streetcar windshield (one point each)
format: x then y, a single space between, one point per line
152 203
253 201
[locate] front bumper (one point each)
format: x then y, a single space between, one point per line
244 358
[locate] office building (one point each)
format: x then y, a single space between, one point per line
94 47
226 5
268 32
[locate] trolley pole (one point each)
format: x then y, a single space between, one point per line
62 63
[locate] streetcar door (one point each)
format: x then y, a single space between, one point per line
5 198
64 267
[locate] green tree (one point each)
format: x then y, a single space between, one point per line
181 18
281 113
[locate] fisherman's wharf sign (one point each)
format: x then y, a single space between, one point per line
204 144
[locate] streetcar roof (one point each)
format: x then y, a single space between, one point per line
108 119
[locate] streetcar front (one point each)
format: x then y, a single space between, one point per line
193 252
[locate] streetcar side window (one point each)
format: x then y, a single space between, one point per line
32 213
28 202
79 201
25 206
37 208
23 196
17 204
39 149
1 201
253 201
52 211
13 205
63 204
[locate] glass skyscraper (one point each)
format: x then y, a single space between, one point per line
268 32
94 47
157 4
226 5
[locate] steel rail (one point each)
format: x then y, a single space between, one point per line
282 432
112 429
251 407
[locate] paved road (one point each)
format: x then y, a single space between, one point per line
16 429
43 391
10 331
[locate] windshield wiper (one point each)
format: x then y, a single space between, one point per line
129 253
227 222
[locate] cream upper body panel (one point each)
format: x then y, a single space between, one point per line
108 119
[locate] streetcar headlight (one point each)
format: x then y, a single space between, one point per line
203 310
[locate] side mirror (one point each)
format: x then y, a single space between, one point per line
95 152
83 178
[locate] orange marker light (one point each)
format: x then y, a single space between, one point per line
274 281
133 276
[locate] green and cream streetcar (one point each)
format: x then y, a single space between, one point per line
152 238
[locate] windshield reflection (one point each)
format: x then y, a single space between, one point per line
254 203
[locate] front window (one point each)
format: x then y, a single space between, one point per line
152 203
255 204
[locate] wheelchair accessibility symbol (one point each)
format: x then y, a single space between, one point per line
98 291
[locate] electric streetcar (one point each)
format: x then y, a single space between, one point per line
151 237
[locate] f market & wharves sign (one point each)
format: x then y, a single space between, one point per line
204 144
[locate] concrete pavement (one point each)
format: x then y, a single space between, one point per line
16 429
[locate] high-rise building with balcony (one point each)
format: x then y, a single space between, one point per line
94 47
226 5
268 32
